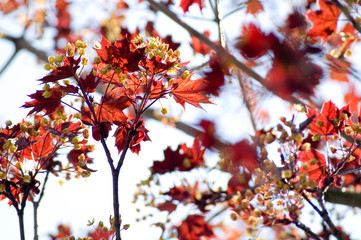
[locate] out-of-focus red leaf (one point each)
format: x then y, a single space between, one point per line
190 91
10 5
207 138
285 78
63 232
339 68
215 78
184 4
253 43
316 170
243 154
238 182
182 159
324 20
194 227
168 206
99 234
198 46
178 193
254 7
352 99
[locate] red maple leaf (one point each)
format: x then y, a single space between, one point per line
139 134
194 227
168 206
68 69
243 154
316 165
182 159
254 7
184 4
73 155
190 91
339 68
88 83
329 121
40 103
99 234
253 43
155 65
238 182
200 47
324 20
41 147
120 55
215 78
352 99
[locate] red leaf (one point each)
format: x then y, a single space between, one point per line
68 69
243 154
184 4
324 20
99 234
168 206
352 99
253 43
238 182
120 55
73 155
155 65
111 106
139 134
88 83
194 227
254 7
208 138
316 170
182 159
200 47
42 146
324 122
190 91
215 78
339 68
49 105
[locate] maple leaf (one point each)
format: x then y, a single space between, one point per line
254 7
40 103
155 65
240 154
352 99
253 43
324 20
329 121
99 234
190 91
41 147
208 137
168 206
200 47
182 159
184 4
238 182
120 55
215 78
88 83
68 69
139 134
73 155
316 165
339 68
111 106
194 227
